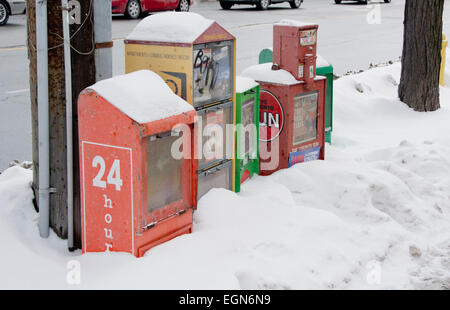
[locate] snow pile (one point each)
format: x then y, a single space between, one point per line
375 214
179 27
243 84
264 73
142 95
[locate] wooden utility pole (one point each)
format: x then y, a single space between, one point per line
421 58
83 75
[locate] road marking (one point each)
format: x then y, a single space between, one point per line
18 91
7 49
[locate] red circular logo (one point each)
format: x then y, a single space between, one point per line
271 117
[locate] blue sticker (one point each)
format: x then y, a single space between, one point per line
304 156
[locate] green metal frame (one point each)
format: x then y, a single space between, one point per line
246 163
266 55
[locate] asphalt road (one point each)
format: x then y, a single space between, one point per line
351 37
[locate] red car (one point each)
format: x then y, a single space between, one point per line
134 8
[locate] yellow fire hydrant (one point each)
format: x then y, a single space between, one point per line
443 53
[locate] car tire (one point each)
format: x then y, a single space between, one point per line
133 9
262 4
387 1
4 13
295 4
183 6
337 1
226 5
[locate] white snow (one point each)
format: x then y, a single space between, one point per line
375 214
244 83
264 73
321 62
178 27
141 95
295 23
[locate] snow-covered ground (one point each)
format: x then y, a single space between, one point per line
374 215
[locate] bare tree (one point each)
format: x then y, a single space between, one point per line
421 58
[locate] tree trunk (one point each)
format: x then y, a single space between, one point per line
421 58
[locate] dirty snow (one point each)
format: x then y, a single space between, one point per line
374 215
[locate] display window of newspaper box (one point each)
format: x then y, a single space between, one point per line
247 130
137 159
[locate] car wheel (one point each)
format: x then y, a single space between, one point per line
387 1
183 6
337 1
263 4
4 14
133 9
226 5
295 4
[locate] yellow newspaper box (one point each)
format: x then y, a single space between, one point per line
195 56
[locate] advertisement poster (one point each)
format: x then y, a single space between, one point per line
271 117
305 117
212 74
304 156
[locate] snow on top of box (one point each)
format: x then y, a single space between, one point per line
321 62
264 73
178 27
295 23
142 95
244 83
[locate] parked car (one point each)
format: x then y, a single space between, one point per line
260 4
134 8
363 1
11 7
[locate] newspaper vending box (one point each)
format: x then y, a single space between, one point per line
196 58
137 163
292 99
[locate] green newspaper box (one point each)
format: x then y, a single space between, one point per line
322 68
247 130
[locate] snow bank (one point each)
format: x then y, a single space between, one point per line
379 202
243 84
142 95
179 27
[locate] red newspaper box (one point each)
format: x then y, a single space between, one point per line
137 164
295 48
292 103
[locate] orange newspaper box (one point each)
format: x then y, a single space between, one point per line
137 164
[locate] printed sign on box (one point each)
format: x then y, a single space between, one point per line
304 156
107 197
